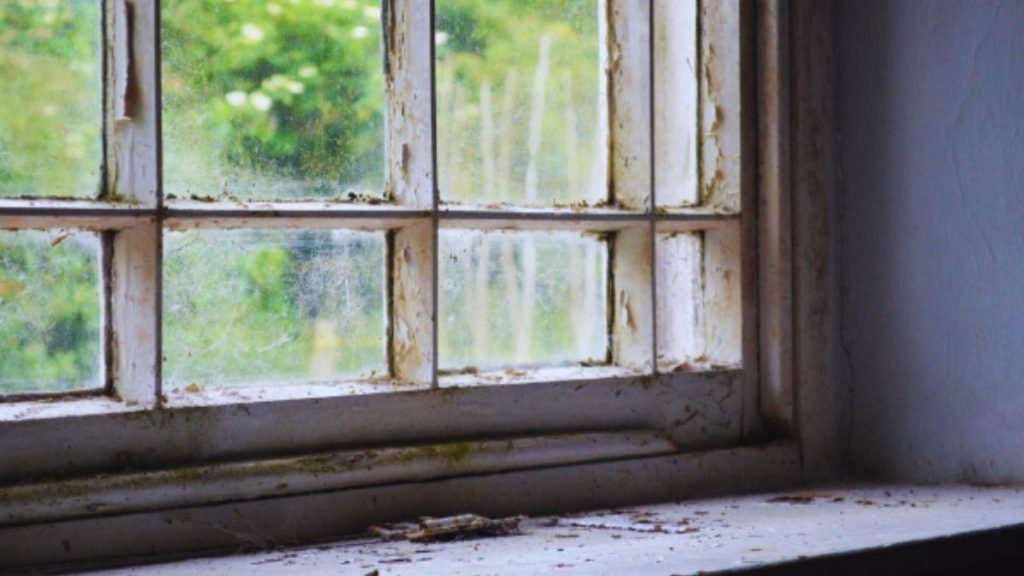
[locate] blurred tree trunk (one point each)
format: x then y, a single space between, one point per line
481 307
524 333
504 177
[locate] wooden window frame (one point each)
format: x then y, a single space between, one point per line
627 431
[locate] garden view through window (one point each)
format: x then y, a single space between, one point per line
519 102
50 98
272 106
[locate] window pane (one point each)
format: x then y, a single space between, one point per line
273 99
269 307
522 298
699 293
519 102
50 98
49 312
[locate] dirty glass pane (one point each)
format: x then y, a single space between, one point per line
271 307
50 98
522 299
519 102
49 312
277 99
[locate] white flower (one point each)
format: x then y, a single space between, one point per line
372 12
252 33
236 98
360 32
296 87
440 38
308 71
260 101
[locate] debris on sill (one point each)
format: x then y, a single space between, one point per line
461 527
803 498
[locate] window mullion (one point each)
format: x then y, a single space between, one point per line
628 68
412 295
632 312
627 64
133 166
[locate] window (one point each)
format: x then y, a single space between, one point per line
332 214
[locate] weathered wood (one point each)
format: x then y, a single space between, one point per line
408 74
628 69
337 470
632 313
676 64
328 515
134 319
413 346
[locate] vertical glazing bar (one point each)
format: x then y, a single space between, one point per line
633 305
435 339
412 347
629 76
675 102
408 74
133 175
628 68
721 105
652 16
408 70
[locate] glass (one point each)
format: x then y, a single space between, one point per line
273 100
520 111
50 98
522 299
252 307
49 312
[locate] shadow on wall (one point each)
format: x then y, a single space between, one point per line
931 116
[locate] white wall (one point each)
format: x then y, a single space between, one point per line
931 120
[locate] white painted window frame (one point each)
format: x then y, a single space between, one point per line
705 430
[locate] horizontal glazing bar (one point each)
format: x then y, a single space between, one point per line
189 214
24 213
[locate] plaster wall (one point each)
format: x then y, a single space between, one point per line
931 153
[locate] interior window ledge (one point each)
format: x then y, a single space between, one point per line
854 529
64 407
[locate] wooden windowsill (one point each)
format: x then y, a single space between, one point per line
832 529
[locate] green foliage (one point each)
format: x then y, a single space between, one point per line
494 47
49 313
276 99
273 99
245 306
50 128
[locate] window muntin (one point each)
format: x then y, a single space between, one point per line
50 98
676 98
